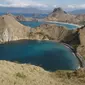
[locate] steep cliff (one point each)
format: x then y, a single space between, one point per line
81 48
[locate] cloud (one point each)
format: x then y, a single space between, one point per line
21 3
81 6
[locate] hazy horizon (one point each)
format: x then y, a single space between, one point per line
45 4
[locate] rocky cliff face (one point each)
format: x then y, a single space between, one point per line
26 74
81 48
20 18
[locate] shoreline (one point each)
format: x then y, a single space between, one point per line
64 23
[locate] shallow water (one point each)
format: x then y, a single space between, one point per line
50 55
34 24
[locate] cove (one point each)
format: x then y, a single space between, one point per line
34 24
50 55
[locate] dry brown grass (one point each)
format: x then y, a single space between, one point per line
26 74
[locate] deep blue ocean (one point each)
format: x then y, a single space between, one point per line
50 55
34 24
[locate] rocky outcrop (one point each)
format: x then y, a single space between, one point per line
20 17
81 48
23 18
59 10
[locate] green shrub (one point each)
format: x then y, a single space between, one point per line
75 46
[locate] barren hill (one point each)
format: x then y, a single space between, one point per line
60 15
26 74
57 33
10 29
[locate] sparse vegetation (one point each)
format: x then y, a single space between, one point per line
26 74
75 46
20 75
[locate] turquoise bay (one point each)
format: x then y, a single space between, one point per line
50 55
34 24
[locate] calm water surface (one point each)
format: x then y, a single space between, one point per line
34 24
50 55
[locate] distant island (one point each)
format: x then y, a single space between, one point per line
58 15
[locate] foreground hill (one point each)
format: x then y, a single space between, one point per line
26 74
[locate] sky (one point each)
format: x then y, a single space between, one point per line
46 4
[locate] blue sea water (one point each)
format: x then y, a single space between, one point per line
50 55
34 24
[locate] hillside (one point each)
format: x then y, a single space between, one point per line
81 48
10 29
26 74
57 33
60 15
